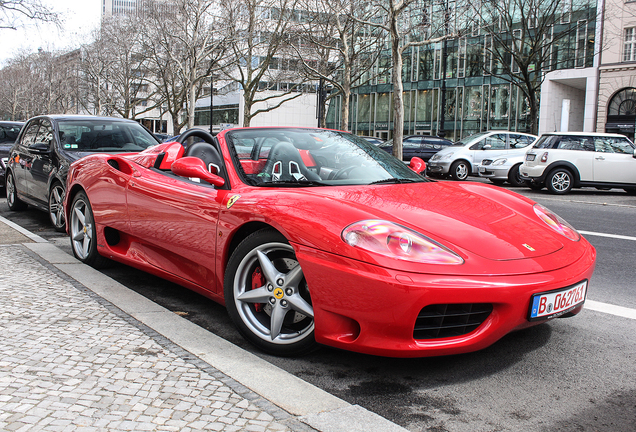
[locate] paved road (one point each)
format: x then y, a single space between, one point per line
574 374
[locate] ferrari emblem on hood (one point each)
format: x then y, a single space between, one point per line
232 200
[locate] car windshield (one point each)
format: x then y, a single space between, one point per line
104 135
469 140
313 157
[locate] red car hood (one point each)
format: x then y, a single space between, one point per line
484 220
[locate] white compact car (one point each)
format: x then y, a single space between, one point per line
561 161
464 157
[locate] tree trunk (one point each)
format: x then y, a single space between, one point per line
398 97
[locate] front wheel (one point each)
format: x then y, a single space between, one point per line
267 297
83 234
559 181
56 207
459 170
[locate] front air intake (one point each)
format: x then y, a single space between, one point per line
450 320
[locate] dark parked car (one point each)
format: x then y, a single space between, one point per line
9 131
38 161
373 140
422 146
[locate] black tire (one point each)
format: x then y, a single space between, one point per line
514 177
14 203
559 181
459 170
56 207
265 257
497 182
82 232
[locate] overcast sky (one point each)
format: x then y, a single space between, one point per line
79 17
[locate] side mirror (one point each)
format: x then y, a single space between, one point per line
634 154
417 165
191 166
39 148
486 147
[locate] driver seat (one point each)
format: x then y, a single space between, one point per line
209 155
284 163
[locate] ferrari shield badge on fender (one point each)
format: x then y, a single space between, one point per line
232 200
527 246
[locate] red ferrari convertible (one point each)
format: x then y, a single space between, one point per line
312 236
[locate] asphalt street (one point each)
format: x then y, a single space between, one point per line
576 374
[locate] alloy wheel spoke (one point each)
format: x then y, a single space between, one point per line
294 277
86 245
79 235
299 304
270 272
258 295
277 318
80 216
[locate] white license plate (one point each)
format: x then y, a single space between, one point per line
530 157
556 303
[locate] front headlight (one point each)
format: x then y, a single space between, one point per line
499 162
395 241
557 223
439 157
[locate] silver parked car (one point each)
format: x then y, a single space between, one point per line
464 157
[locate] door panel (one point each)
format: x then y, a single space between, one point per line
175 221
42 165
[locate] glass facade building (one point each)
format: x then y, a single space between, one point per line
475 99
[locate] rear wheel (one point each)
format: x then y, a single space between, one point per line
267 297
56 207
13 201
560 181
498 182
459 170
83 234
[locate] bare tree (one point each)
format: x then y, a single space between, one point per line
14 12
406 27
185 41
335 48
525 38
258 36
115 66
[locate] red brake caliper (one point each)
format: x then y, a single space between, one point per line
257 282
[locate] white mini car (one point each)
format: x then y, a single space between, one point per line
561 161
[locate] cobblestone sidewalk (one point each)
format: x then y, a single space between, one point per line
71 361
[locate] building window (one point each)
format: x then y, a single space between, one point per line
630 44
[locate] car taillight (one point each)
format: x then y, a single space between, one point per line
544 157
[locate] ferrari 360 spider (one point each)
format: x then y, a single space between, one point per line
313 236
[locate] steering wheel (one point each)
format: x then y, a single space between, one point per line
343 172
205 136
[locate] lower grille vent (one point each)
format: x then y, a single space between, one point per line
450 320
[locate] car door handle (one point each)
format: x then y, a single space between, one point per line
599 158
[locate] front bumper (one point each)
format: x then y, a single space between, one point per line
493 172
437 167
370 309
